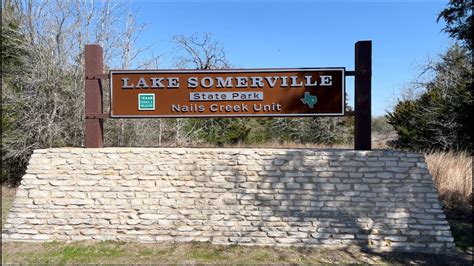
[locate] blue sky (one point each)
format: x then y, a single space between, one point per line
257 34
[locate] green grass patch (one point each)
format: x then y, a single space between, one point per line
261 256
146 252
88 254
207 253
61 253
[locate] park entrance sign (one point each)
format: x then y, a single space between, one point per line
366 187
186 184
228 93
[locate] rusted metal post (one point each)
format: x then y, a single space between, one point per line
94 129
363 88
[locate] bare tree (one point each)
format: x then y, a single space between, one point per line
197 51
200 52
43 105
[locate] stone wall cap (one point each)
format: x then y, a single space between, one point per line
371 153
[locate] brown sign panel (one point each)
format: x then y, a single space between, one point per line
227 93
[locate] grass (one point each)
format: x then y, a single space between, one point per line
8 195
60 253
207 255
92 252
452 176
203 253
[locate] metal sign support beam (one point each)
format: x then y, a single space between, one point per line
94 126
363 87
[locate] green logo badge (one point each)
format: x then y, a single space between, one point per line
146 102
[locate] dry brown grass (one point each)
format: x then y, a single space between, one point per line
378 142
8 192
8 195
452 176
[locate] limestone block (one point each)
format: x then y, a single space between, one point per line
35 194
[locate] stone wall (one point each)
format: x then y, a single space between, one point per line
384 200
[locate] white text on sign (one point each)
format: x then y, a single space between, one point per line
225 96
